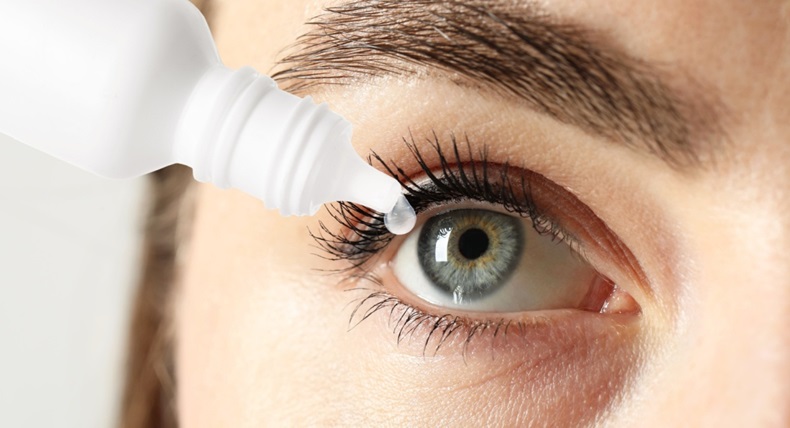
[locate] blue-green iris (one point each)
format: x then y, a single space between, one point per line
470 253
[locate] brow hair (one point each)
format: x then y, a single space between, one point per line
559 69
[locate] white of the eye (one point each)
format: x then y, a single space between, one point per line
548 276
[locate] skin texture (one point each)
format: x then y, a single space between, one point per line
263 339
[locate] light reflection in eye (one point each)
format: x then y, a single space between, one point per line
483 260
442 244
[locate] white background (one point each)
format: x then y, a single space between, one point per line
69 254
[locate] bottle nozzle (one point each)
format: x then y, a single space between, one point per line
360 183
241 131
365 185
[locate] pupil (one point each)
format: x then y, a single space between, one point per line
473 243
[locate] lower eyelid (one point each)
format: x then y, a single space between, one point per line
436 332
548 358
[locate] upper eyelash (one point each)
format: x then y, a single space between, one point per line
363 234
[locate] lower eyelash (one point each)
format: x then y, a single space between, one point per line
406 320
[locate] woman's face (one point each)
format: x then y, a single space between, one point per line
604 193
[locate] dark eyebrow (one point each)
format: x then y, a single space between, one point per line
560 69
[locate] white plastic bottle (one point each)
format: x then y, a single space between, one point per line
125 87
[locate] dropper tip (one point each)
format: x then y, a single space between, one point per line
402 218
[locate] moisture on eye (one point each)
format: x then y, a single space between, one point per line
402 218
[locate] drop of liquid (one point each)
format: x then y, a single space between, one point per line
402 218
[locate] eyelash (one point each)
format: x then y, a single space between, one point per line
363 235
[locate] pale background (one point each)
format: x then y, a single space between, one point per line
69 253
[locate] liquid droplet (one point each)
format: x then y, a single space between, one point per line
402 218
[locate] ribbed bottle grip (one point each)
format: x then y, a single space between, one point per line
285 189
236 118
208 146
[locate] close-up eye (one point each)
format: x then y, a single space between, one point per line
492 240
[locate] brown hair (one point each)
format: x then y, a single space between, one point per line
149 393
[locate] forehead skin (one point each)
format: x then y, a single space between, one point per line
719 367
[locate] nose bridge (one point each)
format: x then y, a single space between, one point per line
760 351
764 346
743 327
781 322
771 274
769 251
727 360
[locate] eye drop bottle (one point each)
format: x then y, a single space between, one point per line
125 87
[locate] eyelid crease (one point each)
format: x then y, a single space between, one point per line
464 176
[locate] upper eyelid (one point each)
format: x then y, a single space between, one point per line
357 245
449 183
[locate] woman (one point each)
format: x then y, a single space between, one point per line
603 199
